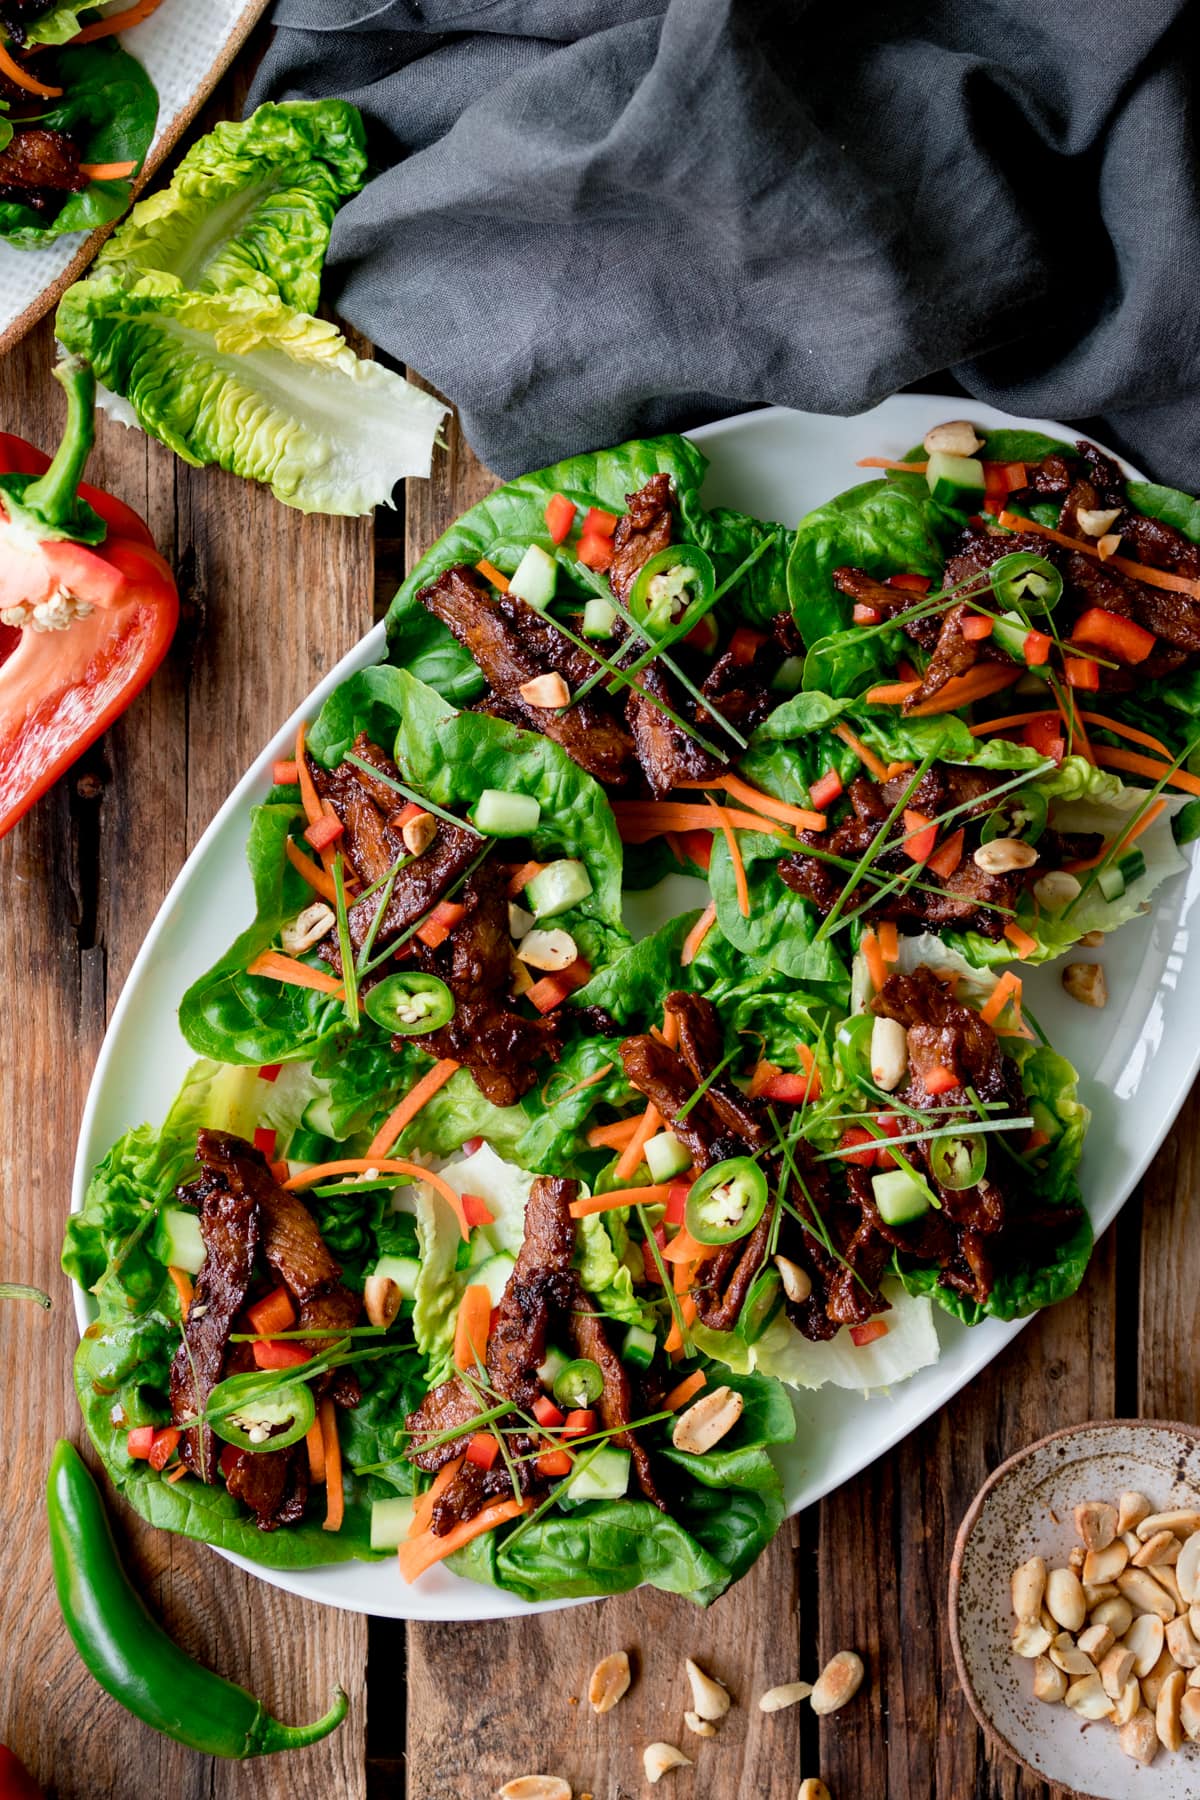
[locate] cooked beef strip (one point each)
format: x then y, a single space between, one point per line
474 1488
702 1047
229 1226
589 1339
291 1239
512 643
338 1309
942 1032
667 754
372 844
39 168
741 691
540 1285
662 1075
272 1483
642 531
857 585
444 1408
500 1046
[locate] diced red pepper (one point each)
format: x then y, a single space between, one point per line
648 1263
1082 674
553 1464
703 635
285 773
324 831
910 584
280 1172
269 1072
407 813
864 614
228 1460
1045 735
165 1444
483 1449
851 1138
892 1125
274 1312
791 1090
677 1202
440 923
545 1411
975 627
1036 649
947 856
599 523
579 1422
595 551
1112 634
560 516
1036 1140
867 1334
276 1353
472 1145
823 793
264 1140
999 481
552 990
922 836
745 645
938 1079
697 847
140 1441
476 1210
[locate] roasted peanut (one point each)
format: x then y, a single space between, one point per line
838 1682
1085 982
1064 1599
609 1682
1096 1523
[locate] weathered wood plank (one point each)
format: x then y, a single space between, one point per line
1168 1361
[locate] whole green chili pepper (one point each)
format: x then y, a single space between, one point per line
131 1657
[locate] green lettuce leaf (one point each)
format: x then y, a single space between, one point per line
1167 504
780 931
884 527
110 107
783 1352
729 537
59 24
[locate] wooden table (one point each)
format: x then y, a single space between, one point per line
442 1712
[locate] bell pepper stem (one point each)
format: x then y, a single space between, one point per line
267 1735
52 496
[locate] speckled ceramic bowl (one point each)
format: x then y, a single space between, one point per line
1025 1509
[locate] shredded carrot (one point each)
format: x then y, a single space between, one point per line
294 973
522 877
424 1503
578 1088
670 1028
634 1196
107 171
309 798
735 857
1009 722
612 1137
183 1287
764 1073
316 878
1128 731
634 1150
1145 765
697 935
30 83
873 957
962 690
410 1106
335 1494
889 942
491 573
1135 831
471 1326
684 1248
1020 939
687 1311
640 820
737 789
314 1440
420 1553
679 1396
891 693
177 1474
1007 988
125 21
383 1165
867 757
887 462
1159 578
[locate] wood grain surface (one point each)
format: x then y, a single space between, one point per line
444 1712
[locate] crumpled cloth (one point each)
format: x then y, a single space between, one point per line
595 219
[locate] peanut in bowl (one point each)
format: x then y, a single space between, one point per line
1053 1669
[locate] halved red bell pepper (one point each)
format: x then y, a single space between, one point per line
1112 634
1045 735
88 608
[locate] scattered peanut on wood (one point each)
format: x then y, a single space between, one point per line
609 1682
838 1682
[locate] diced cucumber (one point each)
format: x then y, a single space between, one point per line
899 1197
639 1347
555 1362
1111 882
666 1156
1132 867
558 887
179 1240
956 481
390 1520
317 1115
604 1477
498 814
1009 632
789 675
534 578
493 1274
309 1146
599 617
403 1270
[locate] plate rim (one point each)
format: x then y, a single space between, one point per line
370 648
164 143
